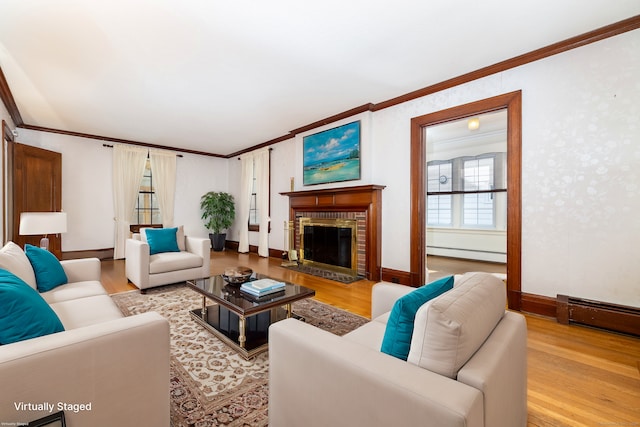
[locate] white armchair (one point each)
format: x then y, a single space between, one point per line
465 332
147 271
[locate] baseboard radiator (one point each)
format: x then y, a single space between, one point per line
613 317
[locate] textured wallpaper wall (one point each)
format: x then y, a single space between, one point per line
580 175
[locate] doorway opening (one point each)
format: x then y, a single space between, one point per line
511 103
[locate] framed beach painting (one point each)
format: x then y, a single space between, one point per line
332 155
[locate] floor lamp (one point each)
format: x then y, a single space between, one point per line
43 223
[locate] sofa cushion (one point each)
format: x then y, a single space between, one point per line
162 240
173 261
397 336
449 329
370 334
88 311
49 273
74 290
13 259
23 312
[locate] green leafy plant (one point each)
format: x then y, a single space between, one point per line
218 211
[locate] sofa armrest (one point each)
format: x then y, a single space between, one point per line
137 262
355 385
82 270
202 248
384 295
499 370
120 368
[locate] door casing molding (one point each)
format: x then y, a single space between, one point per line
513 103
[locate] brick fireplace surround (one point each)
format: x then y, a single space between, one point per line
362 203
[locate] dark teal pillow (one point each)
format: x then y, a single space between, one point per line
162 240
48 270
397 335
23 312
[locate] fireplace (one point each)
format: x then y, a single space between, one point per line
329 243
363 204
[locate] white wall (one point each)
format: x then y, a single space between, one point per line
195 176
581 163
87 190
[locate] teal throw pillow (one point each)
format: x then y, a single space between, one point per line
23 312
397 335
162 240
48 270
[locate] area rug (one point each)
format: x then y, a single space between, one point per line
211 385
325 274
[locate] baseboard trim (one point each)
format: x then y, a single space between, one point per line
613 317
396 276
101 254
538 304
233 245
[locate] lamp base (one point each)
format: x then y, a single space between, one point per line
44 243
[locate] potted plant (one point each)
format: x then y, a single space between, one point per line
218 212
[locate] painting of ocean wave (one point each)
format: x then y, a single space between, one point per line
332 155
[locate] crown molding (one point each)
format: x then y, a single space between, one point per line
118 140
602 33
9 102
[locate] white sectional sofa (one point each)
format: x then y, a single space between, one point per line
467 365
109 369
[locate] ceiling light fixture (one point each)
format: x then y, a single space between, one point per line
473 124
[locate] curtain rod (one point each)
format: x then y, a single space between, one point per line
111 146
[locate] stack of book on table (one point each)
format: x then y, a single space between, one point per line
262 287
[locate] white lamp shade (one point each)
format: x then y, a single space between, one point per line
34 223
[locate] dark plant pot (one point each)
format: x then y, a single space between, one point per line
217 241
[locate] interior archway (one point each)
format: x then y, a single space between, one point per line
513 103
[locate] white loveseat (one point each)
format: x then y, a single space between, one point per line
476 354
116 366
146 271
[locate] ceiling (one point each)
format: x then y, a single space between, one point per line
222 76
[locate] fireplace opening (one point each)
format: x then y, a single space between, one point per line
329 243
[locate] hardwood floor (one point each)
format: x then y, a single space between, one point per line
577 376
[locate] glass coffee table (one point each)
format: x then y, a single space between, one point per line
241 320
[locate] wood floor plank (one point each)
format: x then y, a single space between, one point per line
577 376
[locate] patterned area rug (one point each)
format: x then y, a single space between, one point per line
211 385
325 274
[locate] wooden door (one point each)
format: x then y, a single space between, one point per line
36 186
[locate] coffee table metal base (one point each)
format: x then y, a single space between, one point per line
246 335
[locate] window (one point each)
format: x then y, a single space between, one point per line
254 212
254 215
478 207
147 211
461 192
439 206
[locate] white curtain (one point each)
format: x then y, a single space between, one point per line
163 169
244 202
128 169
261 160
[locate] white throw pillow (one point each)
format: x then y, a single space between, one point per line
13 259
449 329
